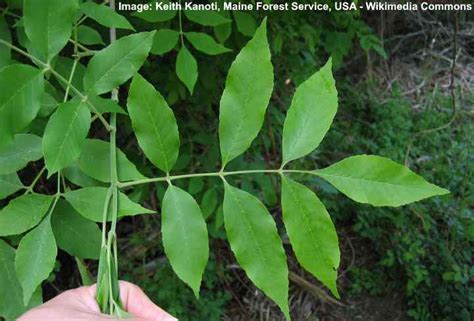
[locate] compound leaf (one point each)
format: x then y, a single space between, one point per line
20 99
74 234
115 64
48 24
205 43
95 162
9 184
311 232
23 149
105 16
206 18
154 124
23 213
164 41
254 239
246 95
89 202
378 181
185 237
310 115
35 258
186 68
65 135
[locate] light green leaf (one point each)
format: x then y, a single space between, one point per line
35 258
48 24
164 41
89 36
23 213
254 239
5 51
65 135
185 237
76 176
378 181
11 298
115 64
186 68
20 98
246 95
9 184
310 115
104 15
245 22
206 18
154 124
95 162
89 202
205 43
156 15
74 234
311 232
25 148
104 105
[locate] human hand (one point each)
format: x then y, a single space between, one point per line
80 305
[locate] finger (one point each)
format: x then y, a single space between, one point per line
137 303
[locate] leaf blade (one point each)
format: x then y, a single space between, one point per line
205 43
187 68
105 16
378 181
23 149
9 184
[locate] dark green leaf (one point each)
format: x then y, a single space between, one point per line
245 22
311 232
104 15
206 18
246 95
48 105
25 148
5 52
254 239
65 135
23 213
186 68
115 64
156 15
185 237
310 115
164 41
205 43
378 181
209 202
88 36
154 124
64 66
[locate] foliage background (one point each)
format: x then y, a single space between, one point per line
396 79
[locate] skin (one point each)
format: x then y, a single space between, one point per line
80 305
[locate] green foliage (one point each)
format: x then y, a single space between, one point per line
23 149
186 68
105 15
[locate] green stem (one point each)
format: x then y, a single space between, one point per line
213 174
30 188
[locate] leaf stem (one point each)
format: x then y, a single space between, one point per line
213 174
30 188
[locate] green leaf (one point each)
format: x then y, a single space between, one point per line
20 98
11 298
9 184
246 95
89 36
64 66
74 234
89 202
5 51
156 15
23 213
154 124
186 68
86 277
254 239
48 24
95 162
35 258
310 115
104 105
223 32
104 15
245 22
378 181
206 18
115 64
164 41
25 148
311 232
48 105
209 202
76 176
205 43
185 237
65 134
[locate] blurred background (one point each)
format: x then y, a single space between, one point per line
405 82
